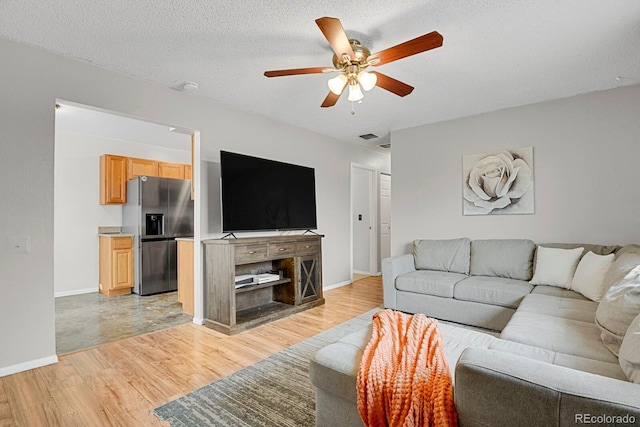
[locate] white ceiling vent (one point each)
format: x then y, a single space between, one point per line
386 145
368 136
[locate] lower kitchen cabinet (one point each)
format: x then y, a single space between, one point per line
185 275
116 264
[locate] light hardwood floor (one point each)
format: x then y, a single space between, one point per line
117 384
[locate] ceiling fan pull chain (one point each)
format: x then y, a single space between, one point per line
353 111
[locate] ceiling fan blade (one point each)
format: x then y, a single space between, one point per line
408 48
331 99
335 35
392 85
296 71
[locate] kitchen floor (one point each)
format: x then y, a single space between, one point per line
86 320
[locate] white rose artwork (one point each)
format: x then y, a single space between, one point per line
498 183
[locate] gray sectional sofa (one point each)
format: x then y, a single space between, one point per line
550 356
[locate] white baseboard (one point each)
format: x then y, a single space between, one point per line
337 285
198 321
366 273
25 366
75 292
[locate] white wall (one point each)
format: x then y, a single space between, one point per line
32 80
77 209
586 153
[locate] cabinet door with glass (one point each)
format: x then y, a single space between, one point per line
309 278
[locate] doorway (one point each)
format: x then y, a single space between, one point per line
385 216
363 222
82 135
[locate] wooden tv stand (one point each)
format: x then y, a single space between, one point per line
231 310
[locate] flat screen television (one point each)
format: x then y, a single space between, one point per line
261 195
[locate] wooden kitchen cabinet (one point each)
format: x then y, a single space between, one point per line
116 265
185 275
113 182
116 170
171 170
138 167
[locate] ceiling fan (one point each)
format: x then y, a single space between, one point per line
351 59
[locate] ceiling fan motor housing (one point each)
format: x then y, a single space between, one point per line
361 53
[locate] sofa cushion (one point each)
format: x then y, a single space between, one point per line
334 368
625 261
438 283
492 290
443 255
557 334
555 267
567 308
619 306
510 258
588 247
590 273
555 291
598 367
630 351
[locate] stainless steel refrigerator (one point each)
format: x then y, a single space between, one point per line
157 211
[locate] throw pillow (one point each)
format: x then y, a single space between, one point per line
555 267
589 276
617 309
630 352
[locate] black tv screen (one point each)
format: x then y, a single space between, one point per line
260 194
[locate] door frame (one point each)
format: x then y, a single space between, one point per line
373 207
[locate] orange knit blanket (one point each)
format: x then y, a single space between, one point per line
404 377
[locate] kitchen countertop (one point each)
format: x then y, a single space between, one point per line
115 235
184 239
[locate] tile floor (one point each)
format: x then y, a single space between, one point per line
86 320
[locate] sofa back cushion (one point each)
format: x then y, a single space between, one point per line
630 352
510 258
625 262
442 255
619 306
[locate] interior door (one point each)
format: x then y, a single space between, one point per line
385 216
363 220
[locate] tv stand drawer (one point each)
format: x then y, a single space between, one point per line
282 249
308 248
250 253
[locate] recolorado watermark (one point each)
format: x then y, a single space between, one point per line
627 419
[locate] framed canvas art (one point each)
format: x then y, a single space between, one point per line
498 183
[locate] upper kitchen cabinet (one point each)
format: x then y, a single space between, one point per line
138 167
113 180
116 170
171 170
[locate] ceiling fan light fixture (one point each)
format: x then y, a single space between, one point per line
367 80
355 94
336 84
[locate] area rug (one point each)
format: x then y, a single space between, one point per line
273 392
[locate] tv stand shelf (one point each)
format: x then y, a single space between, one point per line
231 310
249 288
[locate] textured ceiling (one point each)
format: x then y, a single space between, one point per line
496 53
